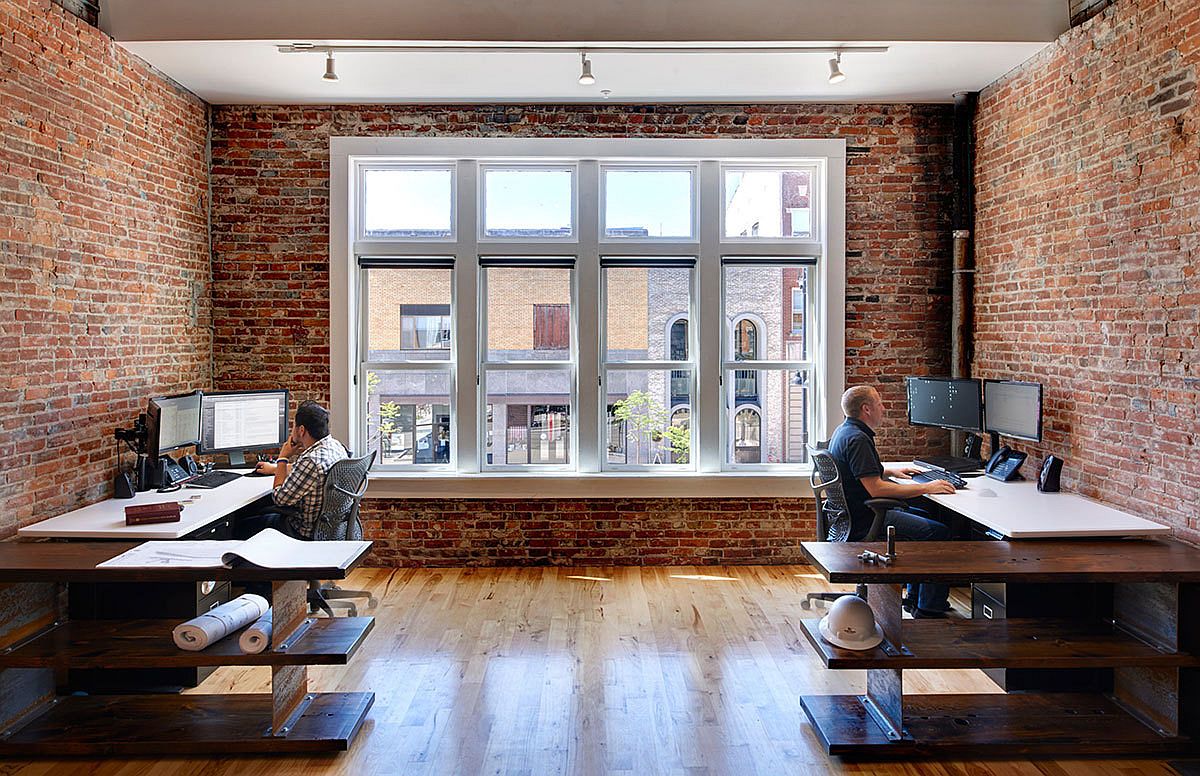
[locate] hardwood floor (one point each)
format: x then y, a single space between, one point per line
684 670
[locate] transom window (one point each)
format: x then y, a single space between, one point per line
588 306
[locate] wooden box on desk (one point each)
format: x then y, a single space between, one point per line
143 514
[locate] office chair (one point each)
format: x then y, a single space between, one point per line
345 484
833 514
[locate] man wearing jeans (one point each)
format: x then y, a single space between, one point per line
865 477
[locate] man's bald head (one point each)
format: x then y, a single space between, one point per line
854 399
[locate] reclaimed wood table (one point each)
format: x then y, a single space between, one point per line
1145 643
288 720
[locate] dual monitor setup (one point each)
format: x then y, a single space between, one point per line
223 422
999 407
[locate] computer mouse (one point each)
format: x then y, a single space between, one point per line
987 493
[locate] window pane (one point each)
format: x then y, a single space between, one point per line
528 417
525 203
648 417
768 203
647 313
796 337
408 316
767 413
648 203
528 314
408 417
760 318
408 203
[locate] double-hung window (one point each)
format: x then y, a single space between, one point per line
595 306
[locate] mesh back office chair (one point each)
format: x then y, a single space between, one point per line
345 484
833 514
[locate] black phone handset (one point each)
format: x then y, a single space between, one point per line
1005 464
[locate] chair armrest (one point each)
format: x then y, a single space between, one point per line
880 507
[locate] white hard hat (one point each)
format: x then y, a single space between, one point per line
850 624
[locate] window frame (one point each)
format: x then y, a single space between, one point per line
693 202
361 199
484 167
827 290
667 364
764 166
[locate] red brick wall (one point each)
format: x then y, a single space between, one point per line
509 532
103 245
270 235
1088 246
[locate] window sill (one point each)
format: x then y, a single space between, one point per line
691 485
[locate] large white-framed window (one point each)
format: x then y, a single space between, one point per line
648 374
405 370
584 216
527 363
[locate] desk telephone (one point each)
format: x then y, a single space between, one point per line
1005 464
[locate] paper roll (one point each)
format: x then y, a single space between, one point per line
197 633
257 637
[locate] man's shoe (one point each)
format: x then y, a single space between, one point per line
909 604
926 614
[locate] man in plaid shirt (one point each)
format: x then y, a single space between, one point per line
304 460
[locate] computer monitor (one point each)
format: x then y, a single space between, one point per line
234 422
1013 409
172 422
945 403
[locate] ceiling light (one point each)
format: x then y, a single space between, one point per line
330 72
836 76
585 73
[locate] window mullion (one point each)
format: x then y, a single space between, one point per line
587 307
466 408
707 412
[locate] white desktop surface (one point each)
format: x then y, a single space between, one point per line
1018 510
106 519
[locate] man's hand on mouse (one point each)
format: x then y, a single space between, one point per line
938 487
265 467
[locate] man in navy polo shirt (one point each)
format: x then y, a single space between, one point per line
865 477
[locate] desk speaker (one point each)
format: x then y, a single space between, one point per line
1050 475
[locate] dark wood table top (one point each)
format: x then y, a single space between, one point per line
76 562
1049 560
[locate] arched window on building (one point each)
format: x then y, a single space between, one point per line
678 339
747 436
745 348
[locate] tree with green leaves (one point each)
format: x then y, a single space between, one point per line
645 416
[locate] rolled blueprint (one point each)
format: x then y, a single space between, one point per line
257 637
214 625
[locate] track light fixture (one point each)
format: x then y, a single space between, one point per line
330 71
836 76
585 72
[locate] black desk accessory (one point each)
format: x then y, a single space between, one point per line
1049 477
1005 464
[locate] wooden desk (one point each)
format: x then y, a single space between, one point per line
1147 646
289 719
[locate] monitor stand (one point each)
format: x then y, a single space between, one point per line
237 460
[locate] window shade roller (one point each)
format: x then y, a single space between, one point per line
406 262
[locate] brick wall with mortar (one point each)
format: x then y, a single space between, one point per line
1088 244
104 275
270 235
104 268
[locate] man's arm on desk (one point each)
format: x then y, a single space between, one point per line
879 487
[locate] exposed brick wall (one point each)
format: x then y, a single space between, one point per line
509 532
104 268
1088 243
270 234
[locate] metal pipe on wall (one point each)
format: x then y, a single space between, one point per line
962 281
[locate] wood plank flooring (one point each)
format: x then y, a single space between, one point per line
677 671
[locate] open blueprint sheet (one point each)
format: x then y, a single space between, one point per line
267 549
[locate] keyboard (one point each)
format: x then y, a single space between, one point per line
929 475
213 479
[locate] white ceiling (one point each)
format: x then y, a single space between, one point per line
254 72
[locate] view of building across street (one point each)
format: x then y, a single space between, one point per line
527 379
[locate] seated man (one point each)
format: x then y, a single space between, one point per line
304 460
864 477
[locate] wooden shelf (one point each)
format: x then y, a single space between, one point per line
142 643
210 725
988 725
1017 643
